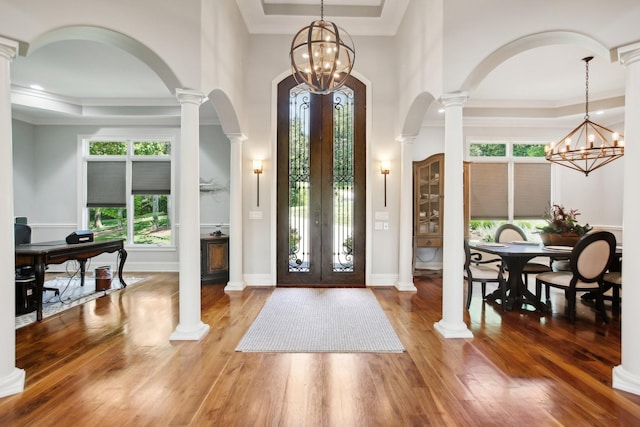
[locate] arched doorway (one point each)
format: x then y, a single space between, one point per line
321 185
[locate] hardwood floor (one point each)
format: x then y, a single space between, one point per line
110 363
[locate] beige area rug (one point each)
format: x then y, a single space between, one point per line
71 295
308 320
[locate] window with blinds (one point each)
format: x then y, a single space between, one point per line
489 191
128 190
531 189
508 181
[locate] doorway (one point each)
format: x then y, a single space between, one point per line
321 186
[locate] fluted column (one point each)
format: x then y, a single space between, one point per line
236 273
626 376
405 245
11 378
452 324
190 327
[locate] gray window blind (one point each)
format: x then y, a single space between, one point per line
106 184
532 189
151 177
489 191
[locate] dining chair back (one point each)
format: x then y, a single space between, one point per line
483 271
588 263
511 233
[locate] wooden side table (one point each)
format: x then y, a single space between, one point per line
214 259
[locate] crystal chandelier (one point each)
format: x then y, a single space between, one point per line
322 55
589 146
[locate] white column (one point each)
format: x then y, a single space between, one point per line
452 325
11 378
236 273
190 327
626 376
405 245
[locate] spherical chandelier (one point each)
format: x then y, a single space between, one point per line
322 55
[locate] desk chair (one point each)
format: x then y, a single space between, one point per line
512 233
22 236
483 271
589 261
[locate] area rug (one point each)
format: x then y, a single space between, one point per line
308 320
70 295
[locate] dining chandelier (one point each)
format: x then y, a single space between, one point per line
590 145
322 55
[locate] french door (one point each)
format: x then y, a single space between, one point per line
321 185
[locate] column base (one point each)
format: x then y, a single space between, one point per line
448 330
190 334
235 286
406 287
12 383
625 381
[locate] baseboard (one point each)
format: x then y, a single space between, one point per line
625 380
383 280
258 280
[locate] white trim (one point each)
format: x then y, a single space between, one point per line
625 380
12 383
258 280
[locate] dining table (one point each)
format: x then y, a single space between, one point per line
515 255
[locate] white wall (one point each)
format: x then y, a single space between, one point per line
263 73
172 31
24 172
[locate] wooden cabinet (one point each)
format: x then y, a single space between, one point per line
214 259
428 202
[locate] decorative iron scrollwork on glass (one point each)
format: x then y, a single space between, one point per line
299 177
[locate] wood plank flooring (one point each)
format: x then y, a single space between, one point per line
110 363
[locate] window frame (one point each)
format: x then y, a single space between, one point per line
129 158
511 160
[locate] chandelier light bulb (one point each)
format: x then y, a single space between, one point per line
327 50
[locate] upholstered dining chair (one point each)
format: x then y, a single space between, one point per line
613 280
483 271
589 261
512 233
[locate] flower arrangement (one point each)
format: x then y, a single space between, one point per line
563 221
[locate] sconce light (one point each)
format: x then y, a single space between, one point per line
385 166
257 169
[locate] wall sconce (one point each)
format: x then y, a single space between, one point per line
385 167
257 169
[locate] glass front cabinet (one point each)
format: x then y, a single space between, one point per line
428 202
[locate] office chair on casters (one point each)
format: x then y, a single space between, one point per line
22 235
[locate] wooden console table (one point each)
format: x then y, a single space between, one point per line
214 259
39 255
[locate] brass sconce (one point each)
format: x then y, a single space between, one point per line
385 166
257 169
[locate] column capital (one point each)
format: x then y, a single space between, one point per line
8 48
406 139
186 96
454 99
629 54
236 138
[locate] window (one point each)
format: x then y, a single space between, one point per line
509 182
128 190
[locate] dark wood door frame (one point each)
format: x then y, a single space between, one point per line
321 202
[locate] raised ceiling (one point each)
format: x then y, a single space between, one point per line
97 83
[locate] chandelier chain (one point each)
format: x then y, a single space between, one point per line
586 88
322 10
